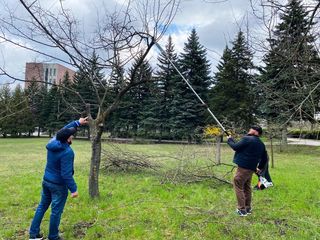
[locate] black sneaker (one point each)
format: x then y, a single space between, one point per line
249 210
241 213
37 237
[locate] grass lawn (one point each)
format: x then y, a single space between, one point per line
138 206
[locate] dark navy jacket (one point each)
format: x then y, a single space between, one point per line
60 158
249 152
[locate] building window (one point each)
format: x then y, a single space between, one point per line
50 72
54 72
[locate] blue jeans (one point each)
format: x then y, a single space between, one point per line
53 194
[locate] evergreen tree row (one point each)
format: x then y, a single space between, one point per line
164 107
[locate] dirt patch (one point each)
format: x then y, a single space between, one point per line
283 225
20 234
2 213
80 228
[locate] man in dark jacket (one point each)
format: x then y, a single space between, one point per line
250 156
57 180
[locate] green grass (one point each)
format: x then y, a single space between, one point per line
137 206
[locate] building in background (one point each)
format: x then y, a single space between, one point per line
47 73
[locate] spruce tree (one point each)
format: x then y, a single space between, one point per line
148 116
87 89
116 122
43 117
21 120
66 110
188 113
231 98
139 108
50 111
166 78
290 67
35 94
5 106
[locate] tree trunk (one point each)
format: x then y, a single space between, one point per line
95 132
218 149
39 131
88 133
284 142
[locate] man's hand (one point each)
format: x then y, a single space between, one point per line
83 121
229 136
258 171
75 194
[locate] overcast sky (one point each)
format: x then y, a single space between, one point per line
216 24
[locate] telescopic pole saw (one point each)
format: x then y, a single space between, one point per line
189 85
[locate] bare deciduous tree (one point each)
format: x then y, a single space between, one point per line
57 35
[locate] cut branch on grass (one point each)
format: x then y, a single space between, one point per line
194 176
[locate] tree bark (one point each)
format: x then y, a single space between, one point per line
95 132
284 142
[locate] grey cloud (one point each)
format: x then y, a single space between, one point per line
215 23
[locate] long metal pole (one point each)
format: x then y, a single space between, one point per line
189 85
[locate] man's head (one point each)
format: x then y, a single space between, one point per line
255 130
64 135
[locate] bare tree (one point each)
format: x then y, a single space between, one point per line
56 34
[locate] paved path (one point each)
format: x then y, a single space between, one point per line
308 142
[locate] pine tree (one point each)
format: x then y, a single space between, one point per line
21 120
290 65
139 108
66 110
166 78
35 100
5 106
86 88
188 113
42 114
50 110
231 98
116 123
148 116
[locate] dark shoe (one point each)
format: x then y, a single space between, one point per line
249 210
241 213
37 237
256 187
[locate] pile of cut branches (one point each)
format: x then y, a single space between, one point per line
188 165
118 159
184 175
190 169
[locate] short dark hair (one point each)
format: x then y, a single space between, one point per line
257 128
64 133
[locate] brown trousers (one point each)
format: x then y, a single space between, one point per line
242 187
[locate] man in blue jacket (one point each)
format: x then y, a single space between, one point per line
57 180
250 156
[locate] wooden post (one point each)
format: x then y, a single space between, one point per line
272 159
218 149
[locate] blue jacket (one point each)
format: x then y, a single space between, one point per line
249 152
60 158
